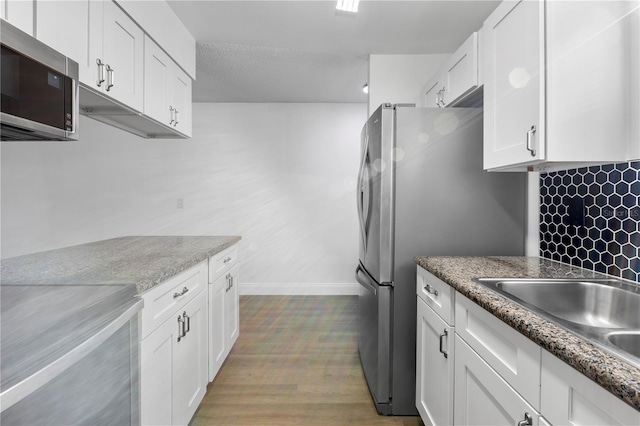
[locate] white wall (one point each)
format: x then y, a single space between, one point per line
399 78
280 175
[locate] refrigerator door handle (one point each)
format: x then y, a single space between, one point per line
365 281
361 189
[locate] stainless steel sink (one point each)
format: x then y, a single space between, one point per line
628 342
603 311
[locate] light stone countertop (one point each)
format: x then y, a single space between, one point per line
143 261
617 376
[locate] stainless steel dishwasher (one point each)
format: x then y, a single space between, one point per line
70 355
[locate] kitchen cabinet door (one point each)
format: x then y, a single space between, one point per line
167 89
174 366
432 92
217 349
156 373
18 13
181 101
592 105
460 72
514 84
481 396
189 381
232 309
434 367
569 397
72 38
122 56
158 86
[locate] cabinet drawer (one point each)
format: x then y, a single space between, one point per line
222 262
570 397
436 293
164 300
512 355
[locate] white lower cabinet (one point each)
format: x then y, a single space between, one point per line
497 376
174 348
224 307
174 366
570 398
482 397
434 369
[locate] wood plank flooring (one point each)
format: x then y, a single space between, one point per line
295 363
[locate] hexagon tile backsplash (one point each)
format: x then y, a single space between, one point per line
590 217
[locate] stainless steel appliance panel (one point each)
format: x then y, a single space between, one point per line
375 196
439 201
374 304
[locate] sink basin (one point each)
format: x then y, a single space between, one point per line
605 312
590 303
628 342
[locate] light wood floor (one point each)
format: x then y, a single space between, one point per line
295 363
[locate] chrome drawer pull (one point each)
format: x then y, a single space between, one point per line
176 294
431 290
227 260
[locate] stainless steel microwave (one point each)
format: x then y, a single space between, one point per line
39 90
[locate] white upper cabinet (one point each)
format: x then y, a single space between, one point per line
561 87
167 89
460 73
457 78
19 13
432 92
118 55
71 39
513 94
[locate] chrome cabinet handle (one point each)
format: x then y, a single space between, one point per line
171 111
110 77
530 147
227 260
186 322
175 123
441 97
528 420
182 293
100 79
228 277
181 332
442 351
431 290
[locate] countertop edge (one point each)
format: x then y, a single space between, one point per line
147 284
613 374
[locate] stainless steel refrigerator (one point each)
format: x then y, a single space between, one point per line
421 192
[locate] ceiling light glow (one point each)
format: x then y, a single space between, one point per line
348 5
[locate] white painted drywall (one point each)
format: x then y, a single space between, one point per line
399 78
280 175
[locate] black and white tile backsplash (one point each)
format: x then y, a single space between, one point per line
606 238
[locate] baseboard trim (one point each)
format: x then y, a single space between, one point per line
315 289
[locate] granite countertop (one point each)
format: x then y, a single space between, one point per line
617 376
143 261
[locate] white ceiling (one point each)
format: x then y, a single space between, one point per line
303 51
